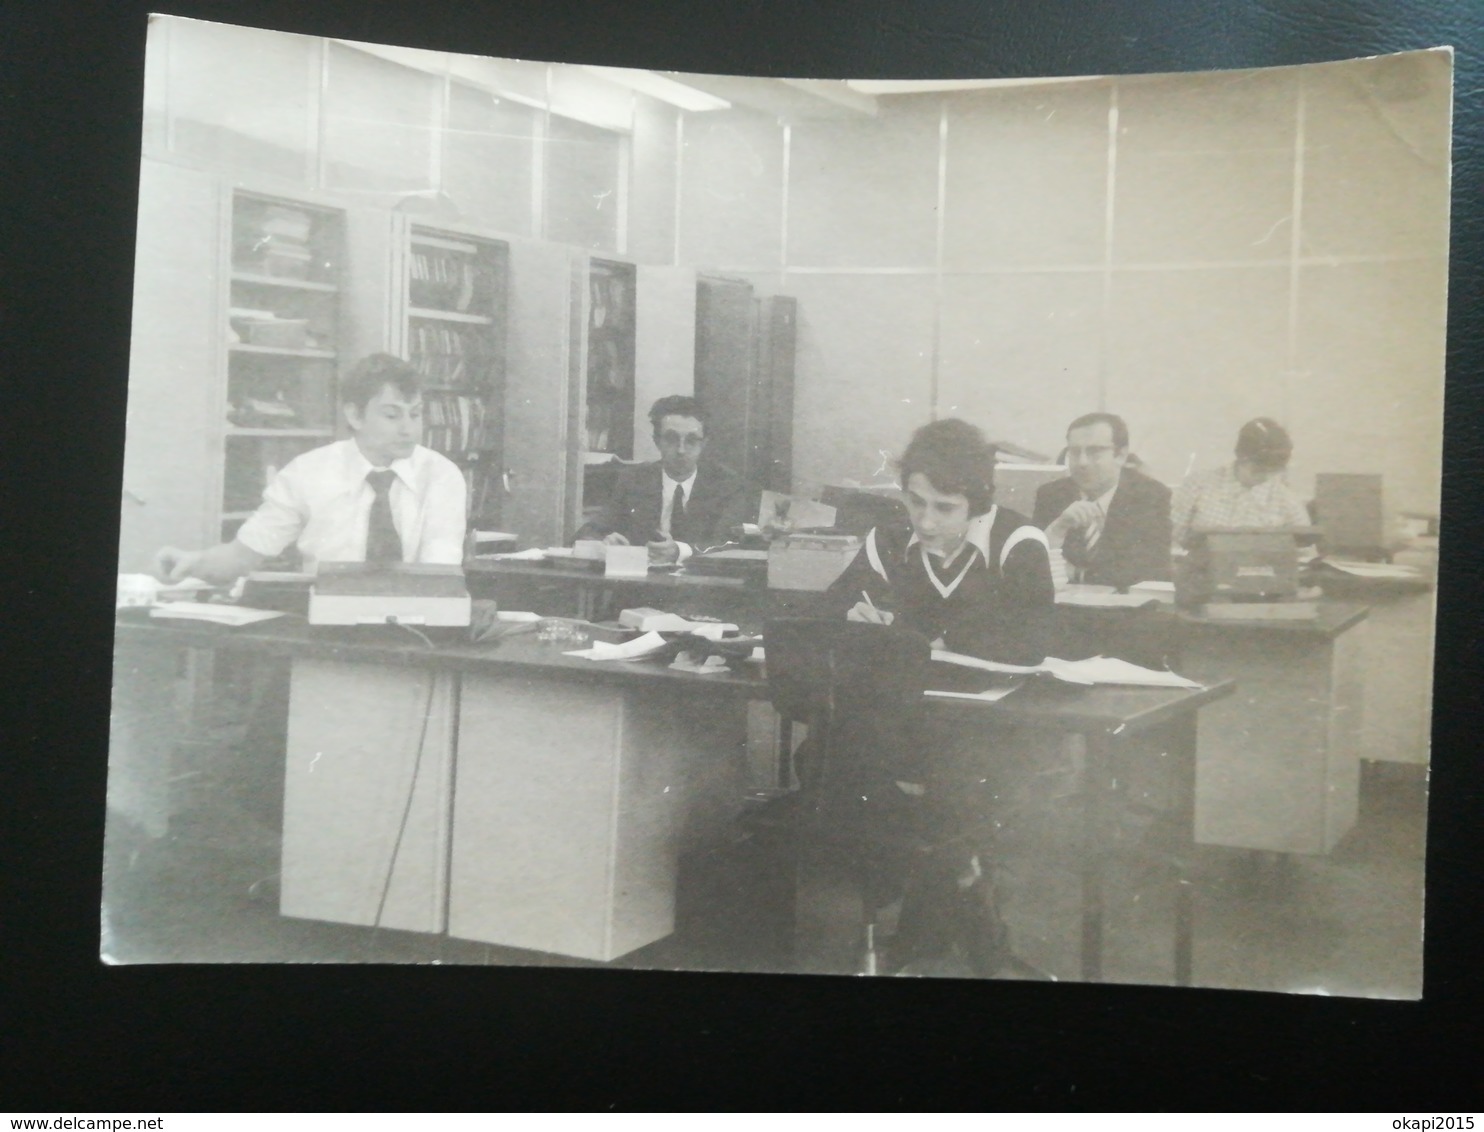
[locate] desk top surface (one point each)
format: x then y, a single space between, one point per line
1043 703
564 571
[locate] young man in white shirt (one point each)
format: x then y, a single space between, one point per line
379 496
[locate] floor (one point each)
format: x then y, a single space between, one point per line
1349 923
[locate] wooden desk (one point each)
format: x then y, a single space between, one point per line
521 797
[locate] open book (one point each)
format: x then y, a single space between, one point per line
1094 670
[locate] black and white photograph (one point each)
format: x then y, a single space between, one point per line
578 516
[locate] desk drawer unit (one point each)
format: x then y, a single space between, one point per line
573 804
366 818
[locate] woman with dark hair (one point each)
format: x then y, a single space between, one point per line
974 578
1249 492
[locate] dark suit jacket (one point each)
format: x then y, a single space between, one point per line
719 500
1135 543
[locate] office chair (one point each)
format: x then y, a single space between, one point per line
859 689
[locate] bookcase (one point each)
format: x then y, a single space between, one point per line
593 341
606 431
744 374
282 342
453 331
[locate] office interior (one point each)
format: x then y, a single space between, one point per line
1189 251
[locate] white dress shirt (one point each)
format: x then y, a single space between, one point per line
321 500
667 504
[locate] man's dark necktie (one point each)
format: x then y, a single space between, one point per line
383 544
677 515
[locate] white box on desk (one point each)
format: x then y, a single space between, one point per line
352 593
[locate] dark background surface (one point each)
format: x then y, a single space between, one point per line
80 1037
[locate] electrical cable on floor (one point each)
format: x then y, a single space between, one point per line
407 806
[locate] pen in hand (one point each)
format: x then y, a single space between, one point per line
879 617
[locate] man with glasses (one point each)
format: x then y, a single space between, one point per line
678 504
1110 521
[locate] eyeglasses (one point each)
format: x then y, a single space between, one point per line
681 440
1091 452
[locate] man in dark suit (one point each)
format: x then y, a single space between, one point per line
679 504
1110 521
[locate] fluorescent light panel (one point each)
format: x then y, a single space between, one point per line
658 86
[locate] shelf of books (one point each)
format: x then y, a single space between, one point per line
455 305
607 430
282 340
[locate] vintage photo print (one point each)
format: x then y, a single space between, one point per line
581 516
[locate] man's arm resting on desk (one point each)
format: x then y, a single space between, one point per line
220 564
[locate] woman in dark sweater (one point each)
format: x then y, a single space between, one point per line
974 578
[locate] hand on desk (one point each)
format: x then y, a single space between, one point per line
861 611
615 539
175 565
664 551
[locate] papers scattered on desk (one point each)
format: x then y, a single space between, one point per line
1101 597
145 589
1164 590
989 695
1104 597
535 554
1094 670
1111 670
643 646
708 667
233 615
653 621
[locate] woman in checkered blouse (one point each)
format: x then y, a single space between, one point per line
1250 492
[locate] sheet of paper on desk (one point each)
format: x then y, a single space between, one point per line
1094 670
949 657
708 667
1101 597
1155 589
1111 670
535 554
1373 569
989 695
234 615
653 622
629 650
